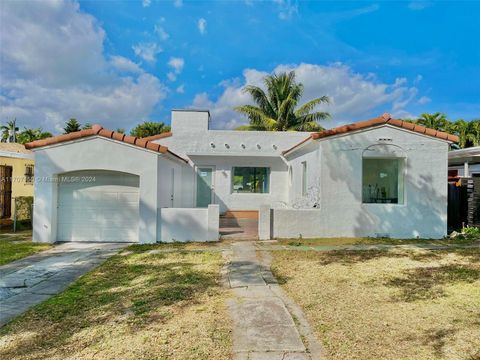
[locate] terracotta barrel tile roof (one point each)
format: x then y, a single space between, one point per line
382 120
98 130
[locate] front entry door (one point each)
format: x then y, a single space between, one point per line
205 186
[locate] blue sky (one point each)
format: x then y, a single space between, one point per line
119 63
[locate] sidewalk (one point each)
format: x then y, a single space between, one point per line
262 314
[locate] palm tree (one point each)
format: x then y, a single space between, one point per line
277 109
9 131
437 121
72 125
29 135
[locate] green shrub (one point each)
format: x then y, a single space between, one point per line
472 232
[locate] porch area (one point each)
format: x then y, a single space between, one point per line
239 225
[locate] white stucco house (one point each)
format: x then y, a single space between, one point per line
380 177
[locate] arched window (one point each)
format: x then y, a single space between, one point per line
383 173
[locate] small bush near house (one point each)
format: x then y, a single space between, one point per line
472 232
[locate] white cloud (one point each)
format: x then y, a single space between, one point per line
202 26
417 79
123 64
286 8
160 31
171 76
54 68
147 51
178 3
400 81
176 64
146 3
424 100
181 89
353 96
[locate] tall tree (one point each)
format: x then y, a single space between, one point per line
149 128
29 135
71 125
276 108
461 129
473 135
437 121
9 131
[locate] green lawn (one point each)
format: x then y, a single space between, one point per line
394 304
18 245
140 304
378 241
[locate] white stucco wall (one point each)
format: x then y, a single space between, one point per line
225 149
278 190
337 164
189 224
98 153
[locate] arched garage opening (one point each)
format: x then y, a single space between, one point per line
98 206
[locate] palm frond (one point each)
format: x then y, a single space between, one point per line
257 117
309 106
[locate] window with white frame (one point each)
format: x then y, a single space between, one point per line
304 178
383 181
251 180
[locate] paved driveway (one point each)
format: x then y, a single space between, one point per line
31 280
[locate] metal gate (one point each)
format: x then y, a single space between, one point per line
5 191
457 206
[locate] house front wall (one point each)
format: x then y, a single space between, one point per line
224 195
335 167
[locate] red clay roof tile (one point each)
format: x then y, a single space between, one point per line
152 146
382 120
99 131
118 136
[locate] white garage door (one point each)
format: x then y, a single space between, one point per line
98 206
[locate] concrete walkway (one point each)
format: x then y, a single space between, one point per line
31 280
262 313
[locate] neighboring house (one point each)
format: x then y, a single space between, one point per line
381 177
464 188
464 162
16 172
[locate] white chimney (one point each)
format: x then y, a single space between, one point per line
190 121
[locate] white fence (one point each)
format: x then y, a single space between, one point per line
189 224
354 221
